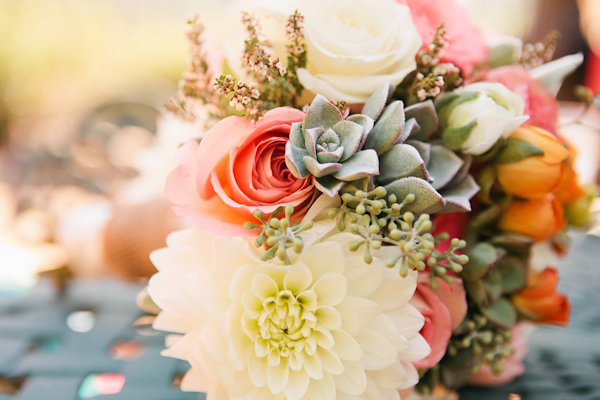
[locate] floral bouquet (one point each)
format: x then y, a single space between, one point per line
368 192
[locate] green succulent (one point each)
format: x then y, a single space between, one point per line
410 162
329 147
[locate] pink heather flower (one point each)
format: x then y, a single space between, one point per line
540 103
444 308
467 47
238 168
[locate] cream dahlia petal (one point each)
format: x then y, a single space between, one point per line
256 330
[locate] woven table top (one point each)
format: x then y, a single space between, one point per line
52 345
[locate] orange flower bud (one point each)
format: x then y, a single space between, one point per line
570 190
541 301
539 219
535 176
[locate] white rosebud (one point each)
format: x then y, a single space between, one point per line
476 116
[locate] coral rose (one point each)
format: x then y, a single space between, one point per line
540 219
540 300
444 308
466 45
540 103
535 176
236 169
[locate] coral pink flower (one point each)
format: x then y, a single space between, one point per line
540 104
467 47
444 308
513 365
236 169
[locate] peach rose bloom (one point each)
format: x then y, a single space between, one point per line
538 175
570 190
444 308
466 45
540 219
540 103
541 301
237 168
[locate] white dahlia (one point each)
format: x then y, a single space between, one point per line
326 327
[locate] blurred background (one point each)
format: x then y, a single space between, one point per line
84 150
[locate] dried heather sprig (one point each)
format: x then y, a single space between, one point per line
195 87
536 54
257 53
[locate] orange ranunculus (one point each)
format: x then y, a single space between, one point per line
541 301
540 218
535 176
570 190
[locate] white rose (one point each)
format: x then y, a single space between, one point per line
477 115
353 48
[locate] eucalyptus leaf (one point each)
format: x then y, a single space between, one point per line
513 271
482 257
502 313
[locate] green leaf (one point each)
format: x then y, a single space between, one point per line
458 197
485 180
493 286
376 103
477 293
461 361
502 313
329 185
514 243
482 258
513 271
387 129
401 161
427 199
455 137
516 150
425 115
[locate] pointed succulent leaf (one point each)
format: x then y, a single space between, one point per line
294 160
454 138
444 164
376 103
401 161
457 198
423 148
366 122
502 314
297 135
310 140
411 127
427 199
330 156
321 113
513 271
482 258
426 117
462 173
329 185
387 129
516 150
360 165
350 135
319 170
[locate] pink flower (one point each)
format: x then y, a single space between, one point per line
513 366
454 224
467 47
236 169
444 309
540 103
